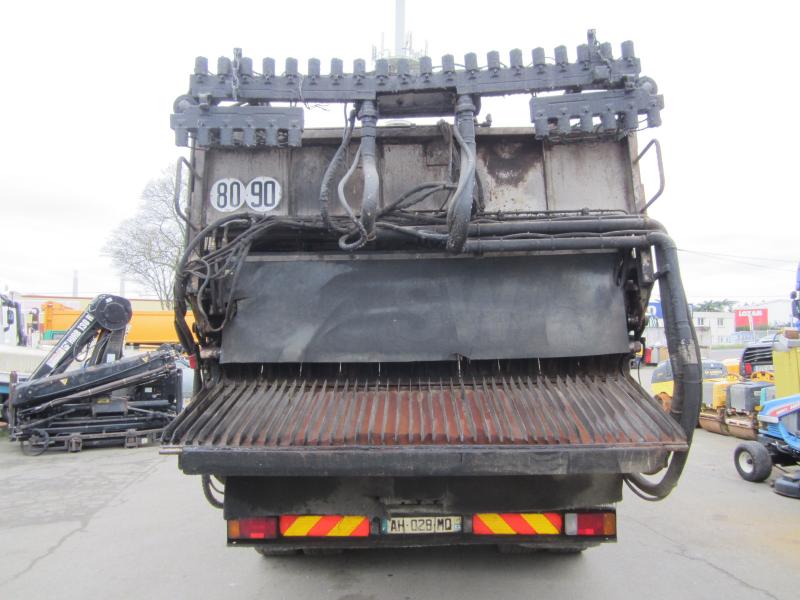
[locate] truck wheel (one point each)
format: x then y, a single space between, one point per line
36 444
268 552
752 461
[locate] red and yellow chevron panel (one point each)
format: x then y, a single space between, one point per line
324 526
517 524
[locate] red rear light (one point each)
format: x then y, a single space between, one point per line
193 361
748 369
257 528
590 524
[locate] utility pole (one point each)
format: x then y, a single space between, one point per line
399 28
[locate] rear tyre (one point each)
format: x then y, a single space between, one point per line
268 552
752 461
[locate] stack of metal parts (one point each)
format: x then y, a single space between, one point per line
85 392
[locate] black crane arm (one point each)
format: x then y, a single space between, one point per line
105 320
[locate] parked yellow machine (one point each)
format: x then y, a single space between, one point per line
727 411
147 327
714 372
786 358
715 414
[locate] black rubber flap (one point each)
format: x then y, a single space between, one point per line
415 308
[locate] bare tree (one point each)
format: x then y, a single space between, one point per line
146 248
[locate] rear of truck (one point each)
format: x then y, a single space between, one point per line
414 334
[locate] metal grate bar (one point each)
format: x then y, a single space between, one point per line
587 410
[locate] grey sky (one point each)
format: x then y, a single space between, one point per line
88 89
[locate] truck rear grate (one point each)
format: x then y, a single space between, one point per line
583 410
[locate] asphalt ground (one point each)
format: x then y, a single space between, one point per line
116 523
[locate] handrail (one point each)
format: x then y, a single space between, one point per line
178 178
661 178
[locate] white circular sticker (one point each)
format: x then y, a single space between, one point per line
227 194
263 194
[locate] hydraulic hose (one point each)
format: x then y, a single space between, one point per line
684 351
368 115
324 191
360 230
460 209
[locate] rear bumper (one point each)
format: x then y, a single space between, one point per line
429 541
512 529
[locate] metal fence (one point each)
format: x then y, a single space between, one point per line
742 338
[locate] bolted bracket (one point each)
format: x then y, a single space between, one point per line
615 111
238 125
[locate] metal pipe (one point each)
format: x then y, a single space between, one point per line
556 226
661 179
460 210
554 244
368 115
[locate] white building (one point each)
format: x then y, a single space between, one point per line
713 329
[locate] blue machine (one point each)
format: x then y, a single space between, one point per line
778 444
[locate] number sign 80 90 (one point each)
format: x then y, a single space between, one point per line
262 194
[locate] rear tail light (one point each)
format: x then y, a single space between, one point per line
193 361
257 528
590 524
748 369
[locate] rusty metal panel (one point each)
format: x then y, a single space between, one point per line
517 172
593 175
511 171
404 165
584 411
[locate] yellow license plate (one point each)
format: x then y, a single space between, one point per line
421 525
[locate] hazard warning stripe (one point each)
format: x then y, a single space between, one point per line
323 526
517 524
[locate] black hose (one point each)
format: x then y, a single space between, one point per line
208 491
360 230
324 191
684 351
429 188
555 244
459 212
368 115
